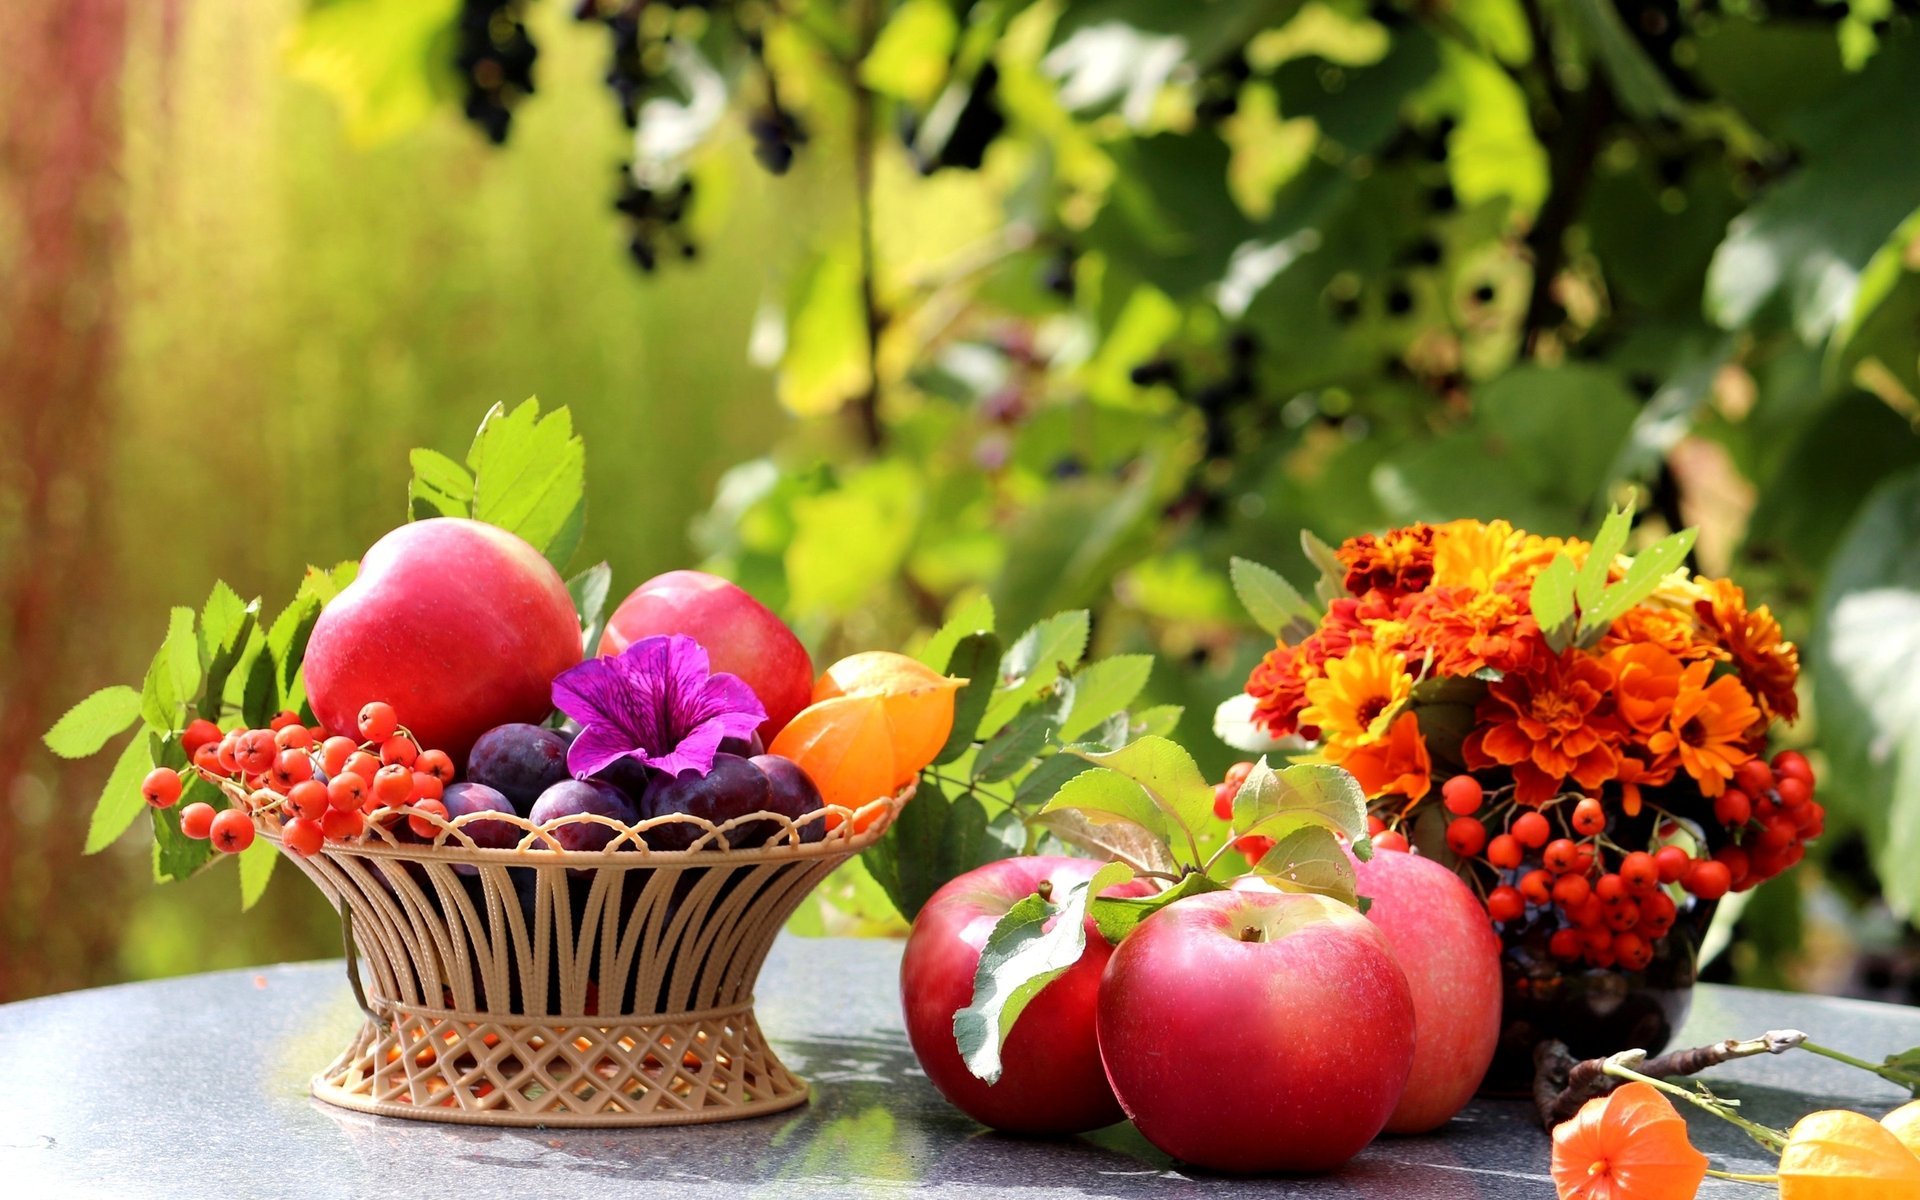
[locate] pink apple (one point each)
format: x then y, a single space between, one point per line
1440 934
1257 1032
459 625
1052 1081
741 635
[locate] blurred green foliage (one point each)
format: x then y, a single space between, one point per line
1067 302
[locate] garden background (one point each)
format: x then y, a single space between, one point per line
1061 304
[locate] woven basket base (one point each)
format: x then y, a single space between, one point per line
479 1070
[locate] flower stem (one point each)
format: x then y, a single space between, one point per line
1905 1079
1772 1139
1739 1178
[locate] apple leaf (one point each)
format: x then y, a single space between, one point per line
120 800
529 477
1108 836
975 658
1029 948
1033 664
172 677
1116 916
589 590
973 616
1104 688
1158 721
1169 777
1103 795
1274 604
1272 803
1310 859
1048 776
90 724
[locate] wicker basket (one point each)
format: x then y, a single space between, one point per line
537 986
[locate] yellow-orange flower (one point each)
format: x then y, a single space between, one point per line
1469 554
1707 727
1353 704
1547 726
1278 686
1396 562
1769 664
1630 1144
1396 764
1672 629
1646 680
1468 629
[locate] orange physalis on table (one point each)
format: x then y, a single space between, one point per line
1842 1155
1630 1144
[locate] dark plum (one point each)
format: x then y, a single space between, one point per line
575 796
464 798
733 788
518 761
627 774
746 747
791 793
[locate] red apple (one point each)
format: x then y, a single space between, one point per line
1441 937
1052 1080
459 625
1256 1032
741 635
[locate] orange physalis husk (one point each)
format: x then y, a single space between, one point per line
1904 1122
844 747
918 700
1627 1145
1840 1155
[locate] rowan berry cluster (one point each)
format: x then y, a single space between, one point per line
319 787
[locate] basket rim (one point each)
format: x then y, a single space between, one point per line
629 851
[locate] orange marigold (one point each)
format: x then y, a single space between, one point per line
1671 629
1769 664
1707 728
1396 562
1630 1144
1646 678
1278 686
1398 763
1468 629
1546 726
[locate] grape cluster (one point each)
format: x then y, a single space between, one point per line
495 58
656 219
964 147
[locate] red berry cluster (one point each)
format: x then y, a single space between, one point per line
322 788
1612 903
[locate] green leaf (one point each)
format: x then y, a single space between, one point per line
90 724
120 801
226 628
1169 777
825 362
1270 802
260 693
1642 89
387 63
175 855
1158 721
909 58
589 590
1047 778
1273 603
1592 579
1310 859
1103 795
286 643
1649 567
1332 583
256 868
937 839
1050 649
973 616
1117 916
172 676
849 544
1014 744
976 659
1865 657
529 477
440 487
1107 836
1552 601
1029 948
1102 689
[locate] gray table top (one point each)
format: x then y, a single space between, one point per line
198 1087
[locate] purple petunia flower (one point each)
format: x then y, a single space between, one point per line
659 703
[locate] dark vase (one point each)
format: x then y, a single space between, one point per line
1596 1011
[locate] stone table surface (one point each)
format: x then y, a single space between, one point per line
197 1087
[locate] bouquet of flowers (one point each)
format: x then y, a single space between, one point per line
1579 731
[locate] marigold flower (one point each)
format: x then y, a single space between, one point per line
1646 679
1842 1155
1640 768
1353 704
1396 764
1396 562
1707 727
1627 1145
1672 629
1546 726
1769 665
1278 686
1471 554
1469 629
